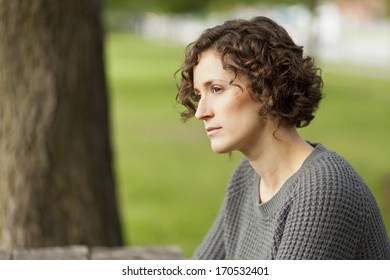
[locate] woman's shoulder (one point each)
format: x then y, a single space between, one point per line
329 178
329 168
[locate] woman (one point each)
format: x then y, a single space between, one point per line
288 199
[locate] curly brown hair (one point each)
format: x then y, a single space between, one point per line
288 84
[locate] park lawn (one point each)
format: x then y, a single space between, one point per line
170 183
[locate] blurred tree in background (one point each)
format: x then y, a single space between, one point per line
56 180
197 6
168 6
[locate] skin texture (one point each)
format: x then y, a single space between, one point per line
232 123
226 106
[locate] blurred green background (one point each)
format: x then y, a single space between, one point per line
171 184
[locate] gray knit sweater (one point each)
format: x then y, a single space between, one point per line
324 211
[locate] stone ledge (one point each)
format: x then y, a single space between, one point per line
134 253
4 255
80 252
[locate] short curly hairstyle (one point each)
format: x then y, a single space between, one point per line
288 84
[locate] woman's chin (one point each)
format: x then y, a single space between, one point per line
220 149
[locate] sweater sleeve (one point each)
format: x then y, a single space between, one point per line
212 246
327 220
374 243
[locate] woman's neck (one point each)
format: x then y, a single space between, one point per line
276 158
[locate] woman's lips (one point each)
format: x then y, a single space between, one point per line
212 130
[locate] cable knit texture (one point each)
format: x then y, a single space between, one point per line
324 211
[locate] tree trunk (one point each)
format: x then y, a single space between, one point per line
56 181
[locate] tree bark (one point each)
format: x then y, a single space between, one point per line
56 180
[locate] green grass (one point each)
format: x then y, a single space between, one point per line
170 183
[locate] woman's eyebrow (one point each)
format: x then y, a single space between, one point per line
209 82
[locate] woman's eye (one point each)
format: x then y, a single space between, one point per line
216 89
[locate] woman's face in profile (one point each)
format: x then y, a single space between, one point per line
230 115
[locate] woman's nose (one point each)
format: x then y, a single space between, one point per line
204 109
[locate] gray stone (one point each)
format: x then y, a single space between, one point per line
5 255
136 253
52 253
